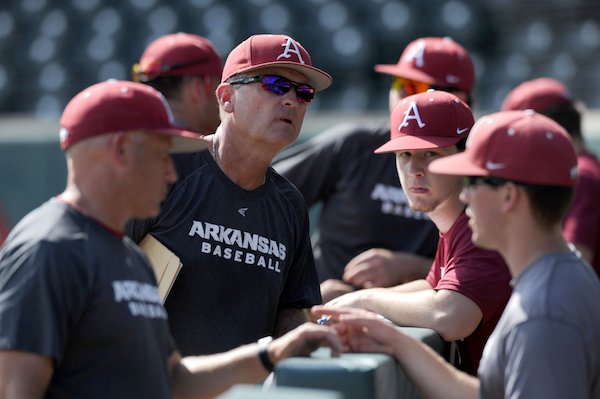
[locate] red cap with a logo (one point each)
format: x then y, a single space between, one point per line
121 106
522 146
261 51
177 54
537 94
428 120
434 60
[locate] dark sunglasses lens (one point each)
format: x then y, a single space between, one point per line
280 86
305 93
276 85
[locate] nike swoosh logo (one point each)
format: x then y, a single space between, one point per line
452 78
461 131
494 166
242 211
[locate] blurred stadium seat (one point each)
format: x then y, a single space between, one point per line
49 50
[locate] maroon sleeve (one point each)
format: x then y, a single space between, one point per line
476 273
582 222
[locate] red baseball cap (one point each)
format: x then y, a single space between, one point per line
434 60
523 146
121 106
428 120
537 94
260 51
177 54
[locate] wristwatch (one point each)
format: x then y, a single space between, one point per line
263 354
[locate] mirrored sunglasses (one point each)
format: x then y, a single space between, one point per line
279 85
409 87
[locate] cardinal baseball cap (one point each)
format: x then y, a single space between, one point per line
438 61
431 119
261 51
521 146
539 95
177 54
121 106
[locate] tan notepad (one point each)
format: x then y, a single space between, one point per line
165 263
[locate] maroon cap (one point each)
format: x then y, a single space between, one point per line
261 51
428 120
434 60
523 146
177 54
121 106
537 94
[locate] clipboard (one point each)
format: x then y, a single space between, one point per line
165 263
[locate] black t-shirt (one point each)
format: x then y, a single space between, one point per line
245 255
364 205
86 297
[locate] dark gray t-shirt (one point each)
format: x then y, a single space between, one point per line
245 255
363 204
85 296
547 342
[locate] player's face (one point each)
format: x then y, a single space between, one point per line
153 172
426 191
483 210
267 116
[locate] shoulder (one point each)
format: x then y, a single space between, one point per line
188 163
560 283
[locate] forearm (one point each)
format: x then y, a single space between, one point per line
413 308
207 376
449 313
288 319
433 375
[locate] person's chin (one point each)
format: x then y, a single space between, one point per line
480 242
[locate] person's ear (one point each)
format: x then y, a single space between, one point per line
511 195
120 146
226 97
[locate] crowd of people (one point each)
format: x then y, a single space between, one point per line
487 232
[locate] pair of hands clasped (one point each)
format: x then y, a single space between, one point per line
346 330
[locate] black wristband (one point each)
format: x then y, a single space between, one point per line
263 354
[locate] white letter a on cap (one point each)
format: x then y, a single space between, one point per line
290 47
417 53
412 113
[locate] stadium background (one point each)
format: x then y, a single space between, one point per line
51 49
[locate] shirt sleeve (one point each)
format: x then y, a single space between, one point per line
545 359
581 222
42 297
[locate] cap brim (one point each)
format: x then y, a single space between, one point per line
407 142
457 164
403 72
183 140
318 79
